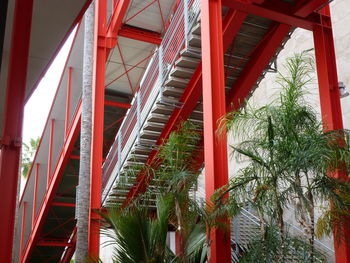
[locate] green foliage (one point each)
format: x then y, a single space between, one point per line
289 158
269 250
140 238
28 152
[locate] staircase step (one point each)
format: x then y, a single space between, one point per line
197 29
153 126
187 62
191 52
194 40
177 82
172 91
152 135
180 72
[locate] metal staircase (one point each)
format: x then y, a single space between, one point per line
164 83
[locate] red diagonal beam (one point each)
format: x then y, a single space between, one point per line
69 252
56 178
117 104
140 35
272 14
231 24
117 18
310 6
53 244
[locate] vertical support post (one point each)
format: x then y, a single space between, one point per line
97 127
10 143
160 65
69 89
23 229
138 112
215 149
186 7
49 162
35 194
330 104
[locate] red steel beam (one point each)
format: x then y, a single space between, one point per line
215 149
280 17
117 104
331 111
10 144
53 244
69 252
69 88
63 204
230 26
56 178
310 6
117 18
98 102
49 162
35 193
140 35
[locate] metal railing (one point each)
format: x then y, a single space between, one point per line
174 40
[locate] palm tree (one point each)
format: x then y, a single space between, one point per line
289 158
175 179
83 190
28 152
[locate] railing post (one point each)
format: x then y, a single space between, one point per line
49 163
68 98
186 7
119 151
138 112
160 65
23 229
35 193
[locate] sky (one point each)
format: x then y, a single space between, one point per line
38 106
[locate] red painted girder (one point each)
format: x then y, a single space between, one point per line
35 193
309 6
56 178
98 103
10 144
63 204
69 252
331 113
258 61
140 35
117 104
272 14
231 24
53 244
215 148
117 18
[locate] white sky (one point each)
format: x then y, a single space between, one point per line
38 106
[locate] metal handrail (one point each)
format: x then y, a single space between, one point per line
150 90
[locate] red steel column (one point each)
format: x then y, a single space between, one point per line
215 149
49 162
35 194
97 126
10 144
23 229
330 103
69 88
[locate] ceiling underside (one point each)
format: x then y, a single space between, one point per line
51 23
